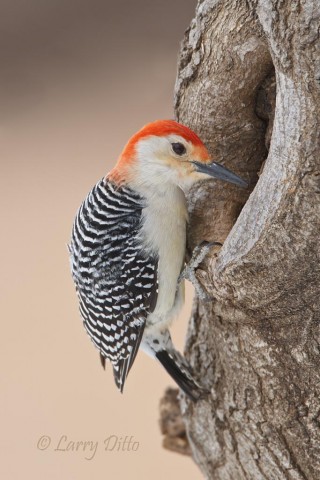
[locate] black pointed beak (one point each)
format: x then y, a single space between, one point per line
222 173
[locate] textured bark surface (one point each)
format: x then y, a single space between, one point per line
172 425
257 344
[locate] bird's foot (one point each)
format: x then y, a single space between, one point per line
189 271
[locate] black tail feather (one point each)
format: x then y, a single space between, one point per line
103 361
181 376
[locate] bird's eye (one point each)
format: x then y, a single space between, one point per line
178 148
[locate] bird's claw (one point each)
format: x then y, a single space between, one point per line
189 271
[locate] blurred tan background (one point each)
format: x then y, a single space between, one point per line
77 79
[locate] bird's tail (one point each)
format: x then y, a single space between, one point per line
158 344
179 370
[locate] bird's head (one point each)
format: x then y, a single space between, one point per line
166 151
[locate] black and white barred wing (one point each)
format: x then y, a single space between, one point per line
116 284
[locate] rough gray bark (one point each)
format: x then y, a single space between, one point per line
172 425
257 344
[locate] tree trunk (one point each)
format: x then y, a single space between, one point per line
257 344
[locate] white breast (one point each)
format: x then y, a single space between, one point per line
164 231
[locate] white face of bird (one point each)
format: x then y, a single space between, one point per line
174 160
167 159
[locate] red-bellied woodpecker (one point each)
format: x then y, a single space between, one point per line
128 248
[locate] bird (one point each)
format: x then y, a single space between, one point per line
128 245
